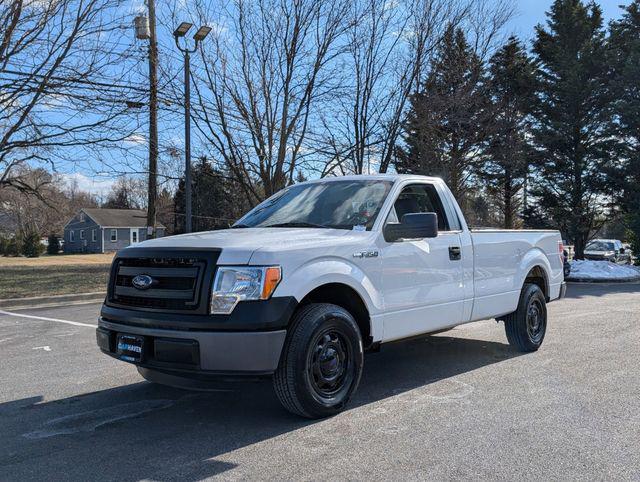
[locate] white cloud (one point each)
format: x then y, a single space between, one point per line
136 139
95 186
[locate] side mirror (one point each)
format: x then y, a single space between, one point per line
412 226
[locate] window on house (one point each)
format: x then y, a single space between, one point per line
82 234
81 217
114 235
94 236
72 236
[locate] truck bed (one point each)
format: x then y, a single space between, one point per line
502 258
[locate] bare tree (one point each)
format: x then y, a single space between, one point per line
389 47
64 83
46 213
127 193
261 75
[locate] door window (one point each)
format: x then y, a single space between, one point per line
134 236
419 198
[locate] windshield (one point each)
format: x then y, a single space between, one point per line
600 246
332 204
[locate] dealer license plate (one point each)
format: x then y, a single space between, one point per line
129 347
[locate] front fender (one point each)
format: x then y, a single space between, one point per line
322 271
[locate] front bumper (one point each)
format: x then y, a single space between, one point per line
204 352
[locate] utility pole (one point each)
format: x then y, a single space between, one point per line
153 122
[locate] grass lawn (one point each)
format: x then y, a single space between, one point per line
58 260
53 275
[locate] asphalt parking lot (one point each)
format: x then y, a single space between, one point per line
459 405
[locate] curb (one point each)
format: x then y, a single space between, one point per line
56 300
604 280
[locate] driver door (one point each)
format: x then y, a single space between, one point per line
422 278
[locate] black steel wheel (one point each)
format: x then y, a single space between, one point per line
536 321
321 362
527 326
330 364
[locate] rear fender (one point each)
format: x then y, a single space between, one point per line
534 257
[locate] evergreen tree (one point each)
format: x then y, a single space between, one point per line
31 246
625 48
13 246
572 116
448 120
4 242
211 200
53 245
511 89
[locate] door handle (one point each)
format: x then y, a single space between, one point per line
455 254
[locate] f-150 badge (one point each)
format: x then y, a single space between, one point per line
365 254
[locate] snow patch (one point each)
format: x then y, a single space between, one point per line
602 270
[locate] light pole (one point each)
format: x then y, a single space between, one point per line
181 31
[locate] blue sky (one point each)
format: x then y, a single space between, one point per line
532 12
529 13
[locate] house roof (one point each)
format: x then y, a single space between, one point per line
119 218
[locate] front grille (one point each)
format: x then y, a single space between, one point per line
180 282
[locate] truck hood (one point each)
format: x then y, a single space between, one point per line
238 245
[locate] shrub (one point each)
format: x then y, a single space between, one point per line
31 247
13 247
54 244
3 245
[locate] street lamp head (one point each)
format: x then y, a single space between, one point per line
182 29
202 33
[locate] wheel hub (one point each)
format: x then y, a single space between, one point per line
535 320
329 363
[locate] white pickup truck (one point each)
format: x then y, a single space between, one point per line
314 276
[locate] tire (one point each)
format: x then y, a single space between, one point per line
527 326
321 363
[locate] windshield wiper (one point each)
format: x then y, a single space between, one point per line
296 224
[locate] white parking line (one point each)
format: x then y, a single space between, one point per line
43 318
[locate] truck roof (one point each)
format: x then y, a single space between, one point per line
375 177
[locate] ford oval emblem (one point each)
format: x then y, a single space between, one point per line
142 282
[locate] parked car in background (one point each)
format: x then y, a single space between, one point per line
566 263
607 250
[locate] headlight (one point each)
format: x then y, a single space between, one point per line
238 283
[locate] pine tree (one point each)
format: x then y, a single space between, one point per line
31 246
511 89
213 199
572 117
53 244
448 120
625 48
